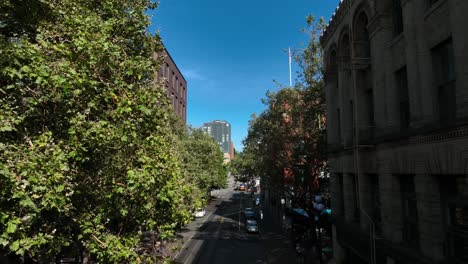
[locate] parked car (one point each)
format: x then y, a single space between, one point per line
249 214
200 212
252 226
242 187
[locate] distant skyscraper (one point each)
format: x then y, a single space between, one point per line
221 132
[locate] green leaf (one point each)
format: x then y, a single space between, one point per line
11 227
14 246
6 128
27 202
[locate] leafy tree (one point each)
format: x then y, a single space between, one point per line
243 166
287 139
203 161
88 158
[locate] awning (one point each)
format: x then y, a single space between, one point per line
301 212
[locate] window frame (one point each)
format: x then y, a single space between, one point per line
450 199
444 80
397 18
409 214
401 79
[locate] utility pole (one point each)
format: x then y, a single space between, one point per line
290 65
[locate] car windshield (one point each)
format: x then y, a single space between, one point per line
252 223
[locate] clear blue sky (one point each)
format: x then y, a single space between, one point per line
231 51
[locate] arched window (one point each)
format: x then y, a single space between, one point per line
345 49
361 37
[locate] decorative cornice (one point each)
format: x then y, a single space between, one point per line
335 20
445 135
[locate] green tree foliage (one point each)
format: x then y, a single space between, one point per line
243 166
202 160
87 155
285 143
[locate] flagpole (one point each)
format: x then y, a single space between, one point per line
290 62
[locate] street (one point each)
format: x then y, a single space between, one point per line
220 236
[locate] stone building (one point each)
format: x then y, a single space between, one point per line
397 106
175 83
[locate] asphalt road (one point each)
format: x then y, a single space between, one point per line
220 237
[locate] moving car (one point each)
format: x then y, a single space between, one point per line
252 226
200 212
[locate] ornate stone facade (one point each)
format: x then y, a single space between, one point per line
397 112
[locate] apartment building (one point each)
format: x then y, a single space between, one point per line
397 112
175 83
220 131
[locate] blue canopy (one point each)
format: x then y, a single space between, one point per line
301 212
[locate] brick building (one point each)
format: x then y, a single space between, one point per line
397 106
176 85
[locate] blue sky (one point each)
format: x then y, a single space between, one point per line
231 51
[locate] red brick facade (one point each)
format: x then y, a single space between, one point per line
176 85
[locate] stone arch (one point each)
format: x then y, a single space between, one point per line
344 46
333 94
363 79
361 41
332 60
345 86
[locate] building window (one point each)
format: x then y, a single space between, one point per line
444 80
456 215
409 211
402 88
375 202
356 213
397 18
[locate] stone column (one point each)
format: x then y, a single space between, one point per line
349 196
345 87
365 194
339 254
391 206
332 105
336 195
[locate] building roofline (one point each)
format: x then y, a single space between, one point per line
172 59
334 21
